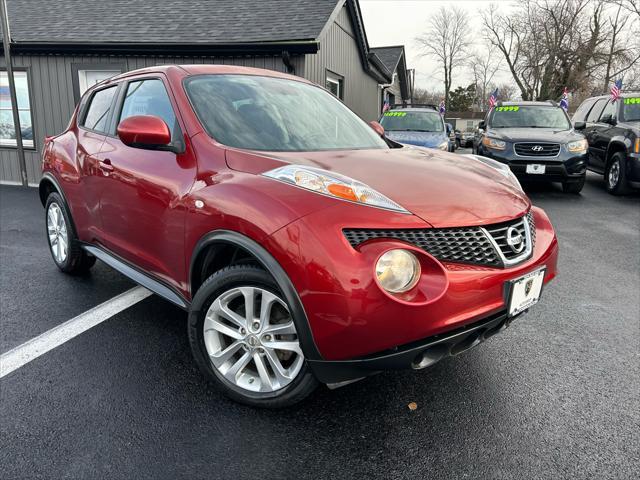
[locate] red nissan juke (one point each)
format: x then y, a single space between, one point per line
306 247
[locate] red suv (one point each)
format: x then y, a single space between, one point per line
305 246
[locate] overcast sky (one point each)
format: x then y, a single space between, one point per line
398 22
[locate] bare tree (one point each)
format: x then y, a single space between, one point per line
484 67
447 41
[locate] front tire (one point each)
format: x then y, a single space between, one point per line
615 175
63 242
574 187
244 338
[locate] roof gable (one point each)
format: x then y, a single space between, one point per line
389 56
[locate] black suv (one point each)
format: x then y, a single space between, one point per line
537 141
613 132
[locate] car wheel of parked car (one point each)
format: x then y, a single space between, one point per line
63 242
243 336
574 186
615 175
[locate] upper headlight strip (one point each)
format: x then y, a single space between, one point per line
334 185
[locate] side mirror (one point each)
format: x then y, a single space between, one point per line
608 118
145 131
379 129
482 125
579 125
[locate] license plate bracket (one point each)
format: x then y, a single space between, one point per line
536 169
525 291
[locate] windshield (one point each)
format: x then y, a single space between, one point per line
631 109
529 117
395 121
276 114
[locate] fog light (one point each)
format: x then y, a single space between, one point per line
398 271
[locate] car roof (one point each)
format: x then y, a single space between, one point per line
523 103
414 109
208 69
622 94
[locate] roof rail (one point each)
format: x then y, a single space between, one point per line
413 105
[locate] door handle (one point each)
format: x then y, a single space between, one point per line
105 165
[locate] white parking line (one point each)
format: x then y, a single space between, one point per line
32 349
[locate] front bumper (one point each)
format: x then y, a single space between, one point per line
351 317
565 167
416 355
633 169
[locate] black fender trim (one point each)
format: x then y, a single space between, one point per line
279 275
48 177
141 278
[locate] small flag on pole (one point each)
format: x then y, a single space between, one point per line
442 108
493 99
564 102
616 88
386 106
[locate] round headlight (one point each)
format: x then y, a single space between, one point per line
398 271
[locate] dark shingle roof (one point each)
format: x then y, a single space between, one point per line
390 56
168 21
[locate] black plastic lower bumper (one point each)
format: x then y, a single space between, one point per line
416 355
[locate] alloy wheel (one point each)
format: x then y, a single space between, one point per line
614 174
251 340
57 231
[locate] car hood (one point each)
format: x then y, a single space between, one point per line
421 139
534 135
633 126
445 190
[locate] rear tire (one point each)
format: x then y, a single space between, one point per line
615 175
574 187
242 352
64 245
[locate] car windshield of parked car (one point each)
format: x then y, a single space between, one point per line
398 121
631 109
514 116
276 114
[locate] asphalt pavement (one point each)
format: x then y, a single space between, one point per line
555 396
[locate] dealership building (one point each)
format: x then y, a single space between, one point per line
59 49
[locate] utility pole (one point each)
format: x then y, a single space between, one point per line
6 43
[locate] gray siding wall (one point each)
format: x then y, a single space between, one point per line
52 99
339 54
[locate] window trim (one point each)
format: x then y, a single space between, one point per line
75 75
332 77
14 146
120 98
85 109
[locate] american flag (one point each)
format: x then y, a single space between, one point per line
615 90
493 99
564 102
386 106
442 108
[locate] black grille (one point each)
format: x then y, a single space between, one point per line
499 234
537 149
459 245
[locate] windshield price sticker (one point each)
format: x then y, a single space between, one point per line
632 101
395 114
507 109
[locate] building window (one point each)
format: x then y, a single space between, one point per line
335 84
7 128
88 78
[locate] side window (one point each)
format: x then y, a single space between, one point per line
595 112
609 109
581 112
148 97
98 110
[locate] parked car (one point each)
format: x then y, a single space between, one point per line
421 126
537 141
613 133
452 137
466 139
305 247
